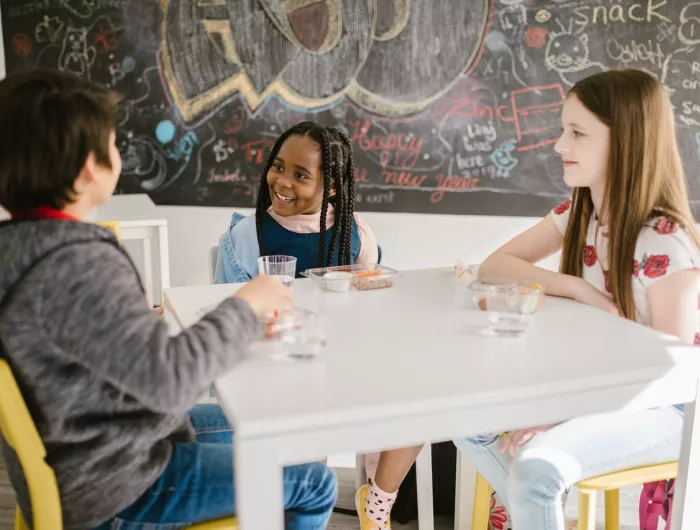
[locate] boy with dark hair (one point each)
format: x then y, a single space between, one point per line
112 395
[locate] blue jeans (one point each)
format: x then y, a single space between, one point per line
531 484
197 485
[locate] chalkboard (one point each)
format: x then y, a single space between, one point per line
453 106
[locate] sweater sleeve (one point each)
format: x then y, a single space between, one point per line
106 326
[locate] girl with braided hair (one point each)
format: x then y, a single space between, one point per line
305 209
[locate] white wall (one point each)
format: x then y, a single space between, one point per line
408 241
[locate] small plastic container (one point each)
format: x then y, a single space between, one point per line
338 281
531 293
365 281
507 302
362 277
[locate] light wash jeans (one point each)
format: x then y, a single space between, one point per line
532 483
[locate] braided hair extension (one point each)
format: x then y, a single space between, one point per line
349 195
338 172
327 162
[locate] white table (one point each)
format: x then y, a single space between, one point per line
436 380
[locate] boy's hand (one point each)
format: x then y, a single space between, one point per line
265 295
158 311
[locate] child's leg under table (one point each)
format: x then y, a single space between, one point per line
394 466
374 501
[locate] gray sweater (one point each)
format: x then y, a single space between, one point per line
106 385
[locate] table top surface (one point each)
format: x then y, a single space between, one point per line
411 349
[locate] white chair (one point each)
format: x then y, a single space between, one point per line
213 256
148 232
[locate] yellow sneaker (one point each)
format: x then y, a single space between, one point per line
365 522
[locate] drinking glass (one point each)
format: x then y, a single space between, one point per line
298 333
282 268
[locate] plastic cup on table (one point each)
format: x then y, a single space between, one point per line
282 268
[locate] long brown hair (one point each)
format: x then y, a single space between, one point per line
644 177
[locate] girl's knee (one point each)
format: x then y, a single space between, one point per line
475 442
534 480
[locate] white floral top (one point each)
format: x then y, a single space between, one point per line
663 248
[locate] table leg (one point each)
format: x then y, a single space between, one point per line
464 493
360 473
686 508
259 489
424 484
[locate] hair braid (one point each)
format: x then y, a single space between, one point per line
326 154
349 201
336 177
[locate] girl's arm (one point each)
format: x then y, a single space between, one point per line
369 251
673 304
667 268
516 259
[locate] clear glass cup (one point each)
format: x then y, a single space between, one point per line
283 268
509 308
297 333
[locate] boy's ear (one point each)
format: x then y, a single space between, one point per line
87 174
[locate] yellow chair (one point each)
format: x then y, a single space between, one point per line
112 226
610 484
20 433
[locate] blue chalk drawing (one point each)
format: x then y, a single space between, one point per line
502 158
128 64
165 131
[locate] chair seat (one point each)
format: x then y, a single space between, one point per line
610 484
630 477
222 524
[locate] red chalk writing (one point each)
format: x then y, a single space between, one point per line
361 175
538 114
225 177
106 39
403 178
256 151
536 37
396 150
236 122
21 44
452 182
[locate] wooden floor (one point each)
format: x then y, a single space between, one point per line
628 499
7 500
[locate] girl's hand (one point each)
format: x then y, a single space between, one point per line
585 293
513 440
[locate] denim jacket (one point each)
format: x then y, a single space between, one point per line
237 260
239 250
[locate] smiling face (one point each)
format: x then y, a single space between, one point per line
584 146
295 177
